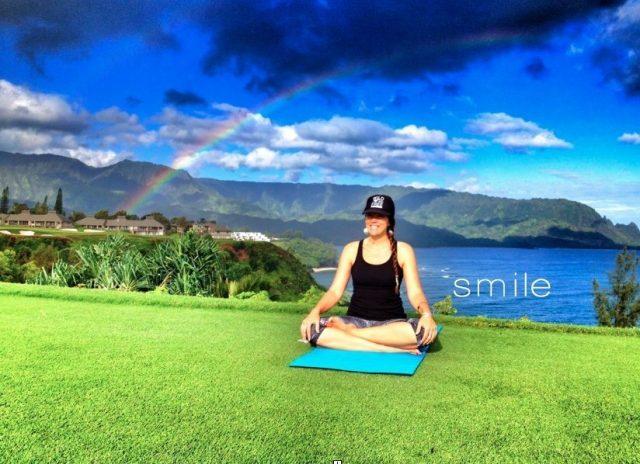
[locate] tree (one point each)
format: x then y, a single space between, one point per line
292 233
161 218
77 215
121 212
623 308
18 207
102 214
4 203
41 208
58 205
181 223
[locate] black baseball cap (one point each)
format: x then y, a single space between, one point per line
381 204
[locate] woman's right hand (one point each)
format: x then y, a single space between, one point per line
305 328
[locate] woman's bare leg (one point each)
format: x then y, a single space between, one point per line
332 337
396 334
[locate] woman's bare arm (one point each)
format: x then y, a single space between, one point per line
415 293
339 284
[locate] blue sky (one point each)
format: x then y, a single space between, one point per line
525 100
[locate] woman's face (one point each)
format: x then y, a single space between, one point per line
376 223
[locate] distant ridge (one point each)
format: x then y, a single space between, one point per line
330 212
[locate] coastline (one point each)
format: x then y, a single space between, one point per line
324 269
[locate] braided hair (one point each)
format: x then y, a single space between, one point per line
394 251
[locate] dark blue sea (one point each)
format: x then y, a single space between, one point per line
569 273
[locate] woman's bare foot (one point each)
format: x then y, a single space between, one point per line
340 324
392 349
332 337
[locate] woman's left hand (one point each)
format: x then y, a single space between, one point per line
430 328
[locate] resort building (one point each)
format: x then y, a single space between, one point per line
205 227
221 235
91 223
26 219
147 226
255 236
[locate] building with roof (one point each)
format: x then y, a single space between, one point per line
91 223
27 219
147 226
205 227
253 236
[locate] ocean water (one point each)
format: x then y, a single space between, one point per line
569 273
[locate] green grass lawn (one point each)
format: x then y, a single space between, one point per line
122 380
48 231
79 234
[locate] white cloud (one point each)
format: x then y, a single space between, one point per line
93 157
617 200
23 140
261 158
423 185
544 139
340 144
190 133
22 108
514 133
36 123
459 143
340 129
230 160
413 135
567 175
113 126
469 185
633 138
627 15
229 136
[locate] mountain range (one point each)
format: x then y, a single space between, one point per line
330 212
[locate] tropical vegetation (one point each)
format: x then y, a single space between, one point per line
620 307
188 264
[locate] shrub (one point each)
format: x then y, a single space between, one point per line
61 275
10 270
237 270
623 308
113 264
444 306
254 282
193 265
29 271
262 295
312 296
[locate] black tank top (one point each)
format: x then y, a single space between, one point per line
374 295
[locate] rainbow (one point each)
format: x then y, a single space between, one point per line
229 127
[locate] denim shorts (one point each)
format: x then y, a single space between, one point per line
362 323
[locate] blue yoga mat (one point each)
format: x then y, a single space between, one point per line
370 362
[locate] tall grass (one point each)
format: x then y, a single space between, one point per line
113 264
188 264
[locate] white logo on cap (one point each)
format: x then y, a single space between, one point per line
377 202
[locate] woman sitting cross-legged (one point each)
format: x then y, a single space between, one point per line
375 320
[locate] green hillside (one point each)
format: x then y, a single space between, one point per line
329 212
112 380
